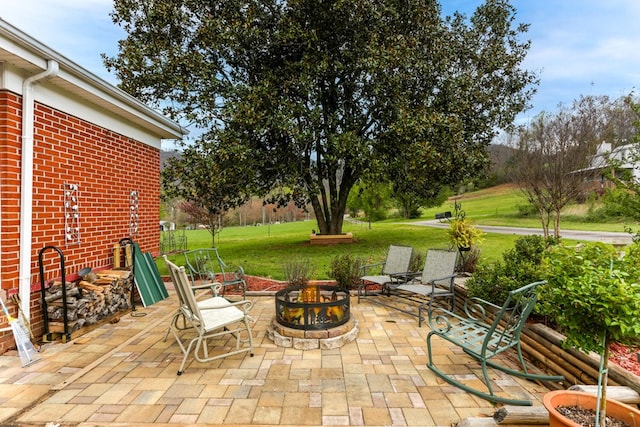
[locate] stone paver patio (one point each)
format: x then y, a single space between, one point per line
125 374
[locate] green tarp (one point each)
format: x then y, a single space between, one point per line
147 278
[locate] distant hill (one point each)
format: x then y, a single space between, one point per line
164 155
499 155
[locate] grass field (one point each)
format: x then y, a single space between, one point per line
263 250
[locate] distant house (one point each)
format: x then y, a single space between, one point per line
626 158
79 169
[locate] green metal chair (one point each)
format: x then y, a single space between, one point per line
484 332
205 266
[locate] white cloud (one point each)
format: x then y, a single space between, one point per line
79 30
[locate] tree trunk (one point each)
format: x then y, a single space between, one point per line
603 381
556 224
544 219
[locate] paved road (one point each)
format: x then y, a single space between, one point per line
602 236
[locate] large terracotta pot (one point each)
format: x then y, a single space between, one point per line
615 409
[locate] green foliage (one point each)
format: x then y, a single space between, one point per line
463 234
519 265
372 198
209 179
619 202
345 269
321 94
593 293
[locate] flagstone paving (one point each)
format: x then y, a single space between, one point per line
124 373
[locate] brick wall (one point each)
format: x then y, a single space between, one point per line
106 167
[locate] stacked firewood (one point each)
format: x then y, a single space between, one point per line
88 302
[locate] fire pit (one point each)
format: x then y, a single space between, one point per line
313 316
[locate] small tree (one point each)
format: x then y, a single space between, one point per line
210 178
553 157
593 294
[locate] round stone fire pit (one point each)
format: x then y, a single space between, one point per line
312 316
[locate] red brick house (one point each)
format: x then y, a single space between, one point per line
79 170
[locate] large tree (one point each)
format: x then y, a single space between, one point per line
325 93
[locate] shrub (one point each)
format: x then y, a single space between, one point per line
298 271
468 261
519 266
345 269
417 261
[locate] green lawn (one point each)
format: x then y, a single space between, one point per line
499 206
263 250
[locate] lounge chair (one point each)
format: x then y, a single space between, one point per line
394 271
436 282
211 319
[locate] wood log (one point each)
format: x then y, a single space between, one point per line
620 393
617 375
533 415
56 295
477 422
580 372
116 274
549 363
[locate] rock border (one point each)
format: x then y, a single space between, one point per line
327 339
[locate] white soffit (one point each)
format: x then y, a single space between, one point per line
121 112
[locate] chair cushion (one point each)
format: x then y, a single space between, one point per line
215 318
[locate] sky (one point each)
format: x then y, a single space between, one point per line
578 47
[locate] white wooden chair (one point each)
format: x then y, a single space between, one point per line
214 317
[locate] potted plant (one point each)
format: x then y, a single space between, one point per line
593 294
462 234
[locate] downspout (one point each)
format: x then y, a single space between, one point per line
26 193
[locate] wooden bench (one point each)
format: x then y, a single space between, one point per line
484 339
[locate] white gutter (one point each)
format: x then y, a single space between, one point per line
26 193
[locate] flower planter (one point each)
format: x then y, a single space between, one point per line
615 409
330 239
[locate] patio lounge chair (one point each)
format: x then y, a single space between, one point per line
394 270
211 319
435 282
203 265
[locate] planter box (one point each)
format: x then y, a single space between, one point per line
615 409
330 239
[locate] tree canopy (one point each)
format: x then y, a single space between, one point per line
322 94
